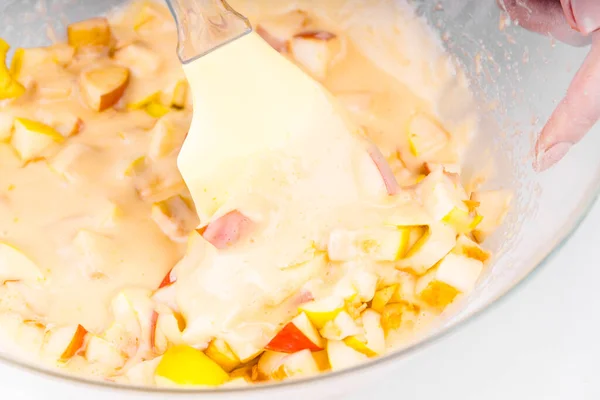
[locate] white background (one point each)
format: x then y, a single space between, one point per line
540 342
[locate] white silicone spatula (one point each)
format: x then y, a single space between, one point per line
253 111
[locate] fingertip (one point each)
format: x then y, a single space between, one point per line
546 158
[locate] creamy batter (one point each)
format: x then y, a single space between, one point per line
134 268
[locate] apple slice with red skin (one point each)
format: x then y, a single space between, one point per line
227 230
168 280
298 334
76 343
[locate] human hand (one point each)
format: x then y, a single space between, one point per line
576 22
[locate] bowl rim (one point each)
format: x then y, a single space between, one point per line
571 226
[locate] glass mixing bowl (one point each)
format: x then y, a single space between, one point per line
517 78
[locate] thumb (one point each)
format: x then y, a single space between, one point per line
582 15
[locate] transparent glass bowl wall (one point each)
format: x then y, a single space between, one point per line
517 77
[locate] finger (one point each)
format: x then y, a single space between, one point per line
582 15
545 17
575 115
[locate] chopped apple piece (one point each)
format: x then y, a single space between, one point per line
374 335
227 230
359 343
394 314
438 241
268 363
31 139
10 88
63 343
96 251
493 207
185 365
220 352
142 373
298 334
142 101
168 329
295 365
175 218
453 275
341 327
426 136
67 125
179 97
468 248
441 195
314 51
406 289
16 266
463 221
365 283
322 360
91 32
103 87
149 16
381 244
277 31
6 126
167 136
140 59
342 356
156 110
321 311
136 167
103 352
409 214
382 297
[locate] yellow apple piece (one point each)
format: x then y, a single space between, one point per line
438 241
103 352
64 342
323 310
441 195
220 352
139 58
453 275
380 244
16 266
463 221
168 135
382 297
469 248
268 363
314 51
180 94
295 365
136 167
426 136
341 327
493 207
6 126
342 356
10 88
359 343
31 139
143 100
394 314
185 365
168 329
374 335
175 218
156 110
91 32
103 87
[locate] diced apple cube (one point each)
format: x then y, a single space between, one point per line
16 266
156 110
60 344
298 334
365 283
453 275
382 297
31 139
438 241
314 51
299 364
168 330
323 310
175 218
141 101
381 244
140 59
463 221
179 96
167 136
426 136
373 332
441 195
185 365
103 87
10 88
220 352
493 207
342 356
341 327
268 363
468 248
90 32
103 352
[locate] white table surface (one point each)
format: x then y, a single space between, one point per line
540 342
